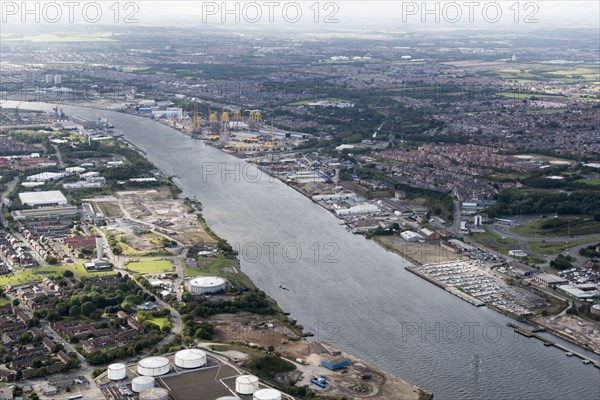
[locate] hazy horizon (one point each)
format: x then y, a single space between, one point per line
346 15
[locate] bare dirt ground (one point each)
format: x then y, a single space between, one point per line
359 380
581 330
422 253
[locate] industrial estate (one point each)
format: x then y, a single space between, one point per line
475 163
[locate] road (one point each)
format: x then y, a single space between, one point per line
455 228
119 263
504 230
61 163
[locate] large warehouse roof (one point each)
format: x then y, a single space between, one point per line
53 197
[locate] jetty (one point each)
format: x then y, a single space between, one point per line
547 342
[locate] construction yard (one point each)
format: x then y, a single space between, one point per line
358 380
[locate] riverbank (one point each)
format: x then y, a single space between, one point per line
390 386
366 295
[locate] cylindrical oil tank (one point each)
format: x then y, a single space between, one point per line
141 383
190 358
207 284
154 394
153 366
267 394
246 384
117 371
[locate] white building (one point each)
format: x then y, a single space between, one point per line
359 209
334 197
411 236
57 79
40 199
45 177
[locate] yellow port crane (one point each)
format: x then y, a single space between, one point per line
237 119
196 129
255 118
213 122
224 121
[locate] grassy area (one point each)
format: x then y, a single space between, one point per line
557 247
209 266
495 242
305 102
151 266
129 251
590 181
38 274
162 321
521 96
561 226
4 301
220 266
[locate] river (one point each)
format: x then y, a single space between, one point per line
350 291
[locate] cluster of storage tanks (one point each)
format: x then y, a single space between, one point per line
153 366
150 367
248 385
190 358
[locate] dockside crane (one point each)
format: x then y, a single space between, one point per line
196 130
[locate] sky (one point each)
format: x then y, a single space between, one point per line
394 15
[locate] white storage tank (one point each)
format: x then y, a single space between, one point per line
207 284
117 371
141 383
267 394
153 366
190 358
154 394
246 384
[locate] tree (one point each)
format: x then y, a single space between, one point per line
68 273
50 259
74 311
87 309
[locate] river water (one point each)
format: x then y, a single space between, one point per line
348 290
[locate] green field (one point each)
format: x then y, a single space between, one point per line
558 227
162 321
209 266
557 247
129 251
38 274
521 96
495 242
590 181
305 102
4 301
150 266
